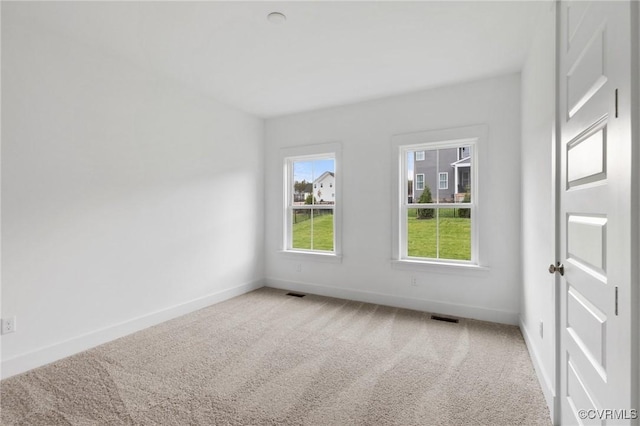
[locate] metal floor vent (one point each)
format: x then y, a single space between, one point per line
445 319
295 294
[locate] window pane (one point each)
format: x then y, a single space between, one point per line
421 233
322 229
313 182
454 234
446 158
462 175
423 176
312 229
302 182
324 180
301 229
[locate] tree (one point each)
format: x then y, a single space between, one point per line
310 200
300 187
425 198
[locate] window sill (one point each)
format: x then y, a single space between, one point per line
440 267
310 255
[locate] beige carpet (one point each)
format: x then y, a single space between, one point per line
268 358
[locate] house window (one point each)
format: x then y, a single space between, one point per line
437 225
443 180
310 219
419 155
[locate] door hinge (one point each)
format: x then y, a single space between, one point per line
616 301
616 103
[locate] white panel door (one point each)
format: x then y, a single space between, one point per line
594 209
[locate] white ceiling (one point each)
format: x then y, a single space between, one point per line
325 54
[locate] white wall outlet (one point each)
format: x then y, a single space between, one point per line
541 329
414 282
298 267
8 325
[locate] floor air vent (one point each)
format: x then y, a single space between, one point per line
296 294
445 319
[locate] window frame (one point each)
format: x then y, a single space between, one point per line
423 156
288 156
474 136
446 181
416 182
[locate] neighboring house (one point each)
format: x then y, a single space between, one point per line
448 177
324 188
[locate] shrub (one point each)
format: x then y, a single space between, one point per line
465 212
425 198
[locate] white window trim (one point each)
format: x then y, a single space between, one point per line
419 189
401 144
310 152
423 156
440 180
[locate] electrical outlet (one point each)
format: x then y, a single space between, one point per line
298 267
541 329
414 282
8 325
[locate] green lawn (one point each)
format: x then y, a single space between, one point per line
322 226
454 233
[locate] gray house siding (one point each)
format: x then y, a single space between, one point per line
431 167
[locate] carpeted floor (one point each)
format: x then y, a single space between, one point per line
268 358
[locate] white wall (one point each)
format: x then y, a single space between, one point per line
126 199
365 131
538 229
635 80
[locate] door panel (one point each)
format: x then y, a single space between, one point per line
594 208
586 241
586 157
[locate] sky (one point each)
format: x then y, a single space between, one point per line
410 165
312 169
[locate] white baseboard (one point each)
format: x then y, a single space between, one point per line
39 357
435 307
548 389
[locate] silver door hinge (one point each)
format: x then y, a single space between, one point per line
616 300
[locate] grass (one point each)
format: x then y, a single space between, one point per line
454 234
321 227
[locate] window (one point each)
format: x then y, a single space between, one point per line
419 155
438 225
443 180
310 215
463 152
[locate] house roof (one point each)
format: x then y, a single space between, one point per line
324 175
462 161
